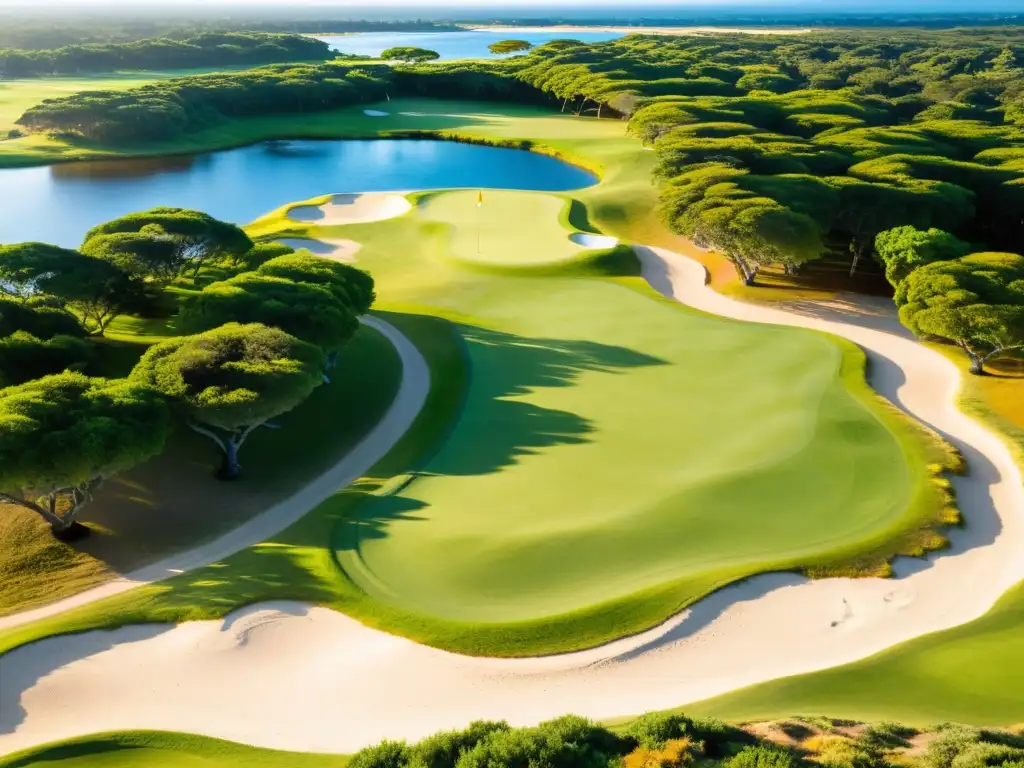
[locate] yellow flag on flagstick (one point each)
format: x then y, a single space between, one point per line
480 198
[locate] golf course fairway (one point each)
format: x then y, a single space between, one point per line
557 497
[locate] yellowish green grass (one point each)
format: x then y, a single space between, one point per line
158 749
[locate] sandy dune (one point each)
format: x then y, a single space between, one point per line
336 249
353 209
655 30
298 677
412 394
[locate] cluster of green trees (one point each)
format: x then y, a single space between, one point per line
169 108
676 741
224 49
261 339
19 30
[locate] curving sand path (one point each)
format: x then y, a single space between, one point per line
298 677
358 208
412 394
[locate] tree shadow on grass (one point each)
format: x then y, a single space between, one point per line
496 428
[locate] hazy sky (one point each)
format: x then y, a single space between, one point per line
366 6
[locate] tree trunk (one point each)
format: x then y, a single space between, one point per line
857 252
600 106
565 101
230 469
63 525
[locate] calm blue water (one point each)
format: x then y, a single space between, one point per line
452 45
59 203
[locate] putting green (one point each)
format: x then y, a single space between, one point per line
613 443
617 456
487 232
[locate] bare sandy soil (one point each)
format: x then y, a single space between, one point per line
353 209
293 676
656 30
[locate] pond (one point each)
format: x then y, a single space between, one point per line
59 203
471 44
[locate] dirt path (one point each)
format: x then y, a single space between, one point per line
327 683
412 394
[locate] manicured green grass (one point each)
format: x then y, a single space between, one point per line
602 473
487 233
174 501
970 674
160 749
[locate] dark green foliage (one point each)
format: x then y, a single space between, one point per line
307 311
904 249
510 46
225 49
24 357
350 285
169 108
443 750
976 302
887 736
567 742
95 289
227 382
652 730
162 243
41 321
764 756
261 253
410 54
60 436
387 754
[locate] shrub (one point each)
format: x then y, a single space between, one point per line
951 741
387 754
653 730
764 756
443 750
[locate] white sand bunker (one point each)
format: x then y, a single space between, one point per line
336 249
594 241
353 209
375 113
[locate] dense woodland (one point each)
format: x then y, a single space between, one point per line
20 31
209 49
261 328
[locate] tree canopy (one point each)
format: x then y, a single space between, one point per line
410 54
348 284
168 240
207 49
232 380
95 289
307 311
977 302
62 435
509 46
904 249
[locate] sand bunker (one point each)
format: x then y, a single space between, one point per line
375 113
594 241
353 209
336 249
291 676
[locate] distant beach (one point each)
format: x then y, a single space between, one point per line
648 30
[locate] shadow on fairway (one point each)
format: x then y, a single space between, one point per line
495 429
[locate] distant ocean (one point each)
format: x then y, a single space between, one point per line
451 45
